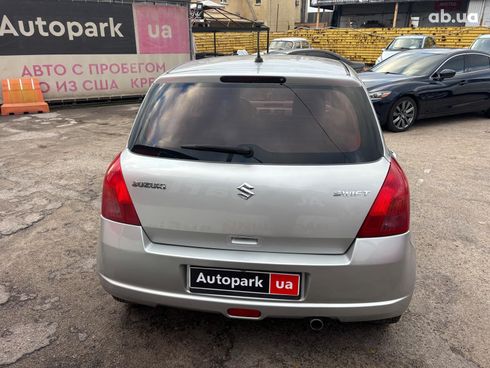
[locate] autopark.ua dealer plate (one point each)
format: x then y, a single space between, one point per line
244 283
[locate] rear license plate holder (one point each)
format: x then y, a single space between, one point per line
244 283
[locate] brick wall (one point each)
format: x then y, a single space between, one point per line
356 44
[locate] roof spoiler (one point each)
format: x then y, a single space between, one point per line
252 79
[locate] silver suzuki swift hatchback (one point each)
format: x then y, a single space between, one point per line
259 190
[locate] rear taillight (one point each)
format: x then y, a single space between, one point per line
390 212
116 201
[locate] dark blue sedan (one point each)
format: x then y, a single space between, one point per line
428 83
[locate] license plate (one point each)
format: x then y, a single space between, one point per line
276 285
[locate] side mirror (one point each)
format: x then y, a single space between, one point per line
444 74
383 50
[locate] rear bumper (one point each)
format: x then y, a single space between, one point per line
373 280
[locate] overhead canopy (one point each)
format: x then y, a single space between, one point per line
208 16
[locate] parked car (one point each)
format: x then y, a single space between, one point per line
280 45
428 83
259 190
403 43
482 43
356 65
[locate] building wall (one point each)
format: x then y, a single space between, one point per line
482 8
279 15
486 15
243 8
354 15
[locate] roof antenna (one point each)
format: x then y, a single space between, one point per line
258 58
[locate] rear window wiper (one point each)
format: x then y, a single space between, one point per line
160 152
244 151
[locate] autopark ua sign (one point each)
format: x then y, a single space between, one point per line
72 30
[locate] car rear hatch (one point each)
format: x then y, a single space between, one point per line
277 168
312 209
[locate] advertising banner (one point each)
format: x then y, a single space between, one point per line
82 50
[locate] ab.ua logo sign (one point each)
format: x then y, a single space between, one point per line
444 17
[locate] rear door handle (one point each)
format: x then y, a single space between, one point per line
462 83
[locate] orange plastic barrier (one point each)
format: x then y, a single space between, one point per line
22 96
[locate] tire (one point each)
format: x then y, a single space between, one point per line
402 115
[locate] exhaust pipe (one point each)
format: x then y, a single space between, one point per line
316 324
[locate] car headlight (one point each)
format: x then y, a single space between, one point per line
379 95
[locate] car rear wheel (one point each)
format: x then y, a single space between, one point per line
402 114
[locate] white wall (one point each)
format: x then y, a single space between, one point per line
482 8
486 14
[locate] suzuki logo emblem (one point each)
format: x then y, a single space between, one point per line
245 191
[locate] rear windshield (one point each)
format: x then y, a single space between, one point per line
273 123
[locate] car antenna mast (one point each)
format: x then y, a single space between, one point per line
258 58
